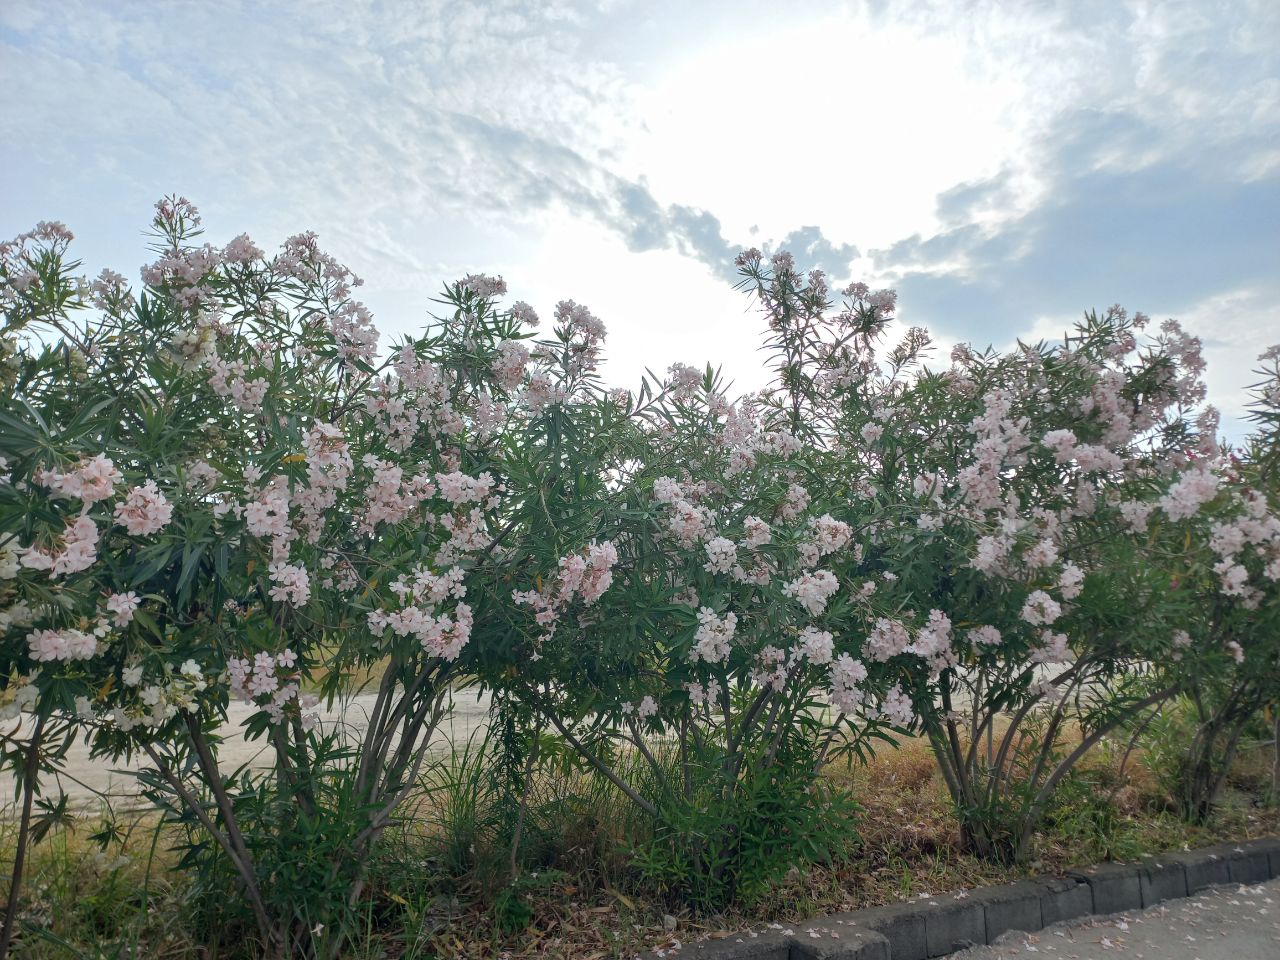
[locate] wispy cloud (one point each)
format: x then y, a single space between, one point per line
1001 163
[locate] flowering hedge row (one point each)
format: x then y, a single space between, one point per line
217 488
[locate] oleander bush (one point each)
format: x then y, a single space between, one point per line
221 486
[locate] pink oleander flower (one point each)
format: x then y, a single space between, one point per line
816 645
65 644
241 250
1043 554
846 675
508 368
144 511
1053 648
685 382
458 488
756 533
1234 578
1071 581
722 554
1136 514
122 606
292 583
796 502
712 638
897 707
79 550
1193 490
830 534
483 285
1092 458
933 640
985 636
813 590
1062 443
1040 609
887 639
92 481
991 554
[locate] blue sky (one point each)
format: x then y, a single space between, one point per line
1006 166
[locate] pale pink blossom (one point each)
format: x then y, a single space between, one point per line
1053 648
797 500
1071 581
92 480
144 511
712 638
508 368
756 532
1062 443
1043 554
292 583
79 550
722 554
985 636
933 640
813 590
897 707
66 644
1193 489
829 534
122 606
1136 514
846 675
887 639
816 645
1040 609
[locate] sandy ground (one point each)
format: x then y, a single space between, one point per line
1227 923
88 782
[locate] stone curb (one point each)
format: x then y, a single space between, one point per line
924 929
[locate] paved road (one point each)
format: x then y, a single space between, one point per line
1227 923
88 781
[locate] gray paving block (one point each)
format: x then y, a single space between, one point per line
769 945
1272 846
1161 878
1115 886
924 929
1246 862
1011 906
902 924
823 940
1204 868
951 923
1064 898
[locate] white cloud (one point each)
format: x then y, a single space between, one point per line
615 153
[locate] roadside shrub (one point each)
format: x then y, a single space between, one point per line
219 487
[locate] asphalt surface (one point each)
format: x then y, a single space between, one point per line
1225 923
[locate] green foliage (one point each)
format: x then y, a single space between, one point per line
1083 815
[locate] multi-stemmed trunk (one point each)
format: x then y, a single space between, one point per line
30 768
1213 750
1001 786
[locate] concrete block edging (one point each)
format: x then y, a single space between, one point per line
933 927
